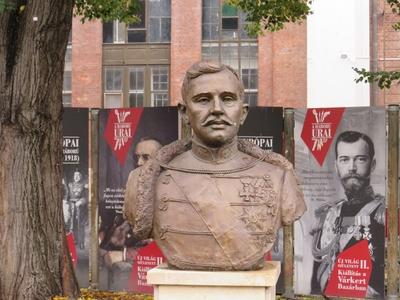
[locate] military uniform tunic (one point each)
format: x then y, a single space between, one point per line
222 215
342 225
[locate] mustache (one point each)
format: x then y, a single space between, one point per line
211 121
352 175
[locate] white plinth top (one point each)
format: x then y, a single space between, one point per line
268 276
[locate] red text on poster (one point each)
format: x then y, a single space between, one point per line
147 258
351 273
319 129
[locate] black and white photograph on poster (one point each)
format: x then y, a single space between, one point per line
340 159
75 189
127 139
264 127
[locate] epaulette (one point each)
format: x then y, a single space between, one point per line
170 151
381 210
267 156
323 209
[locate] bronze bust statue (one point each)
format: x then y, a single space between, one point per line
213 203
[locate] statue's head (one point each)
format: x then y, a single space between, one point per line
213 104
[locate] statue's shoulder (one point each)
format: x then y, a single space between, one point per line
174 154
171 151
269 157
133 175
139 195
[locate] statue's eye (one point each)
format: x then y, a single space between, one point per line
202 100
228 100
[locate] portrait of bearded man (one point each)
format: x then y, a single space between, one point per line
360 216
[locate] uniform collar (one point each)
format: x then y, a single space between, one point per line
214 155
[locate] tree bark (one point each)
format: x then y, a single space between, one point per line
34 260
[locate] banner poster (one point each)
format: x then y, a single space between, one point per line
341 163
127 139
264 127
75 189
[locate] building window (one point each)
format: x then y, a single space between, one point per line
159 86
250 79
67 90
113 77
154 25
67 79
137 32
136 86
146 85
211 11
114 32
230 18
225 40
159 21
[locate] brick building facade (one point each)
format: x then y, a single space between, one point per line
388 51
119 65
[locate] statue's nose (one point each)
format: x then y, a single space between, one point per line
217 106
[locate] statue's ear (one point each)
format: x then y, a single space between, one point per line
245 111
183 112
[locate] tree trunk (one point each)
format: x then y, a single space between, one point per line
34 261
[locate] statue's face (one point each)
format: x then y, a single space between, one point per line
214 109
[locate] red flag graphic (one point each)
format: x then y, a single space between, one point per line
319 129
120 130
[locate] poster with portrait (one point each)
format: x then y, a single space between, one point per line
127 139
340 159
264 127
75 189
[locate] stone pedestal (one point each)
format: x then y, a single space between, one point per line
206 285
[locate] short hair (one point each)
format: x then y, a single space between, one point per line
208 67
156 143
147 138
352 137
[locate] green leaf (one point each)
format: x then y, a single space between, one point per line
272 15
108 10
384 79
6 5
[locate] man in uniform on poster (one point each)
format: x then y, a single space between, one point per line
112 238
145 149
360 216
78 199
118 247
